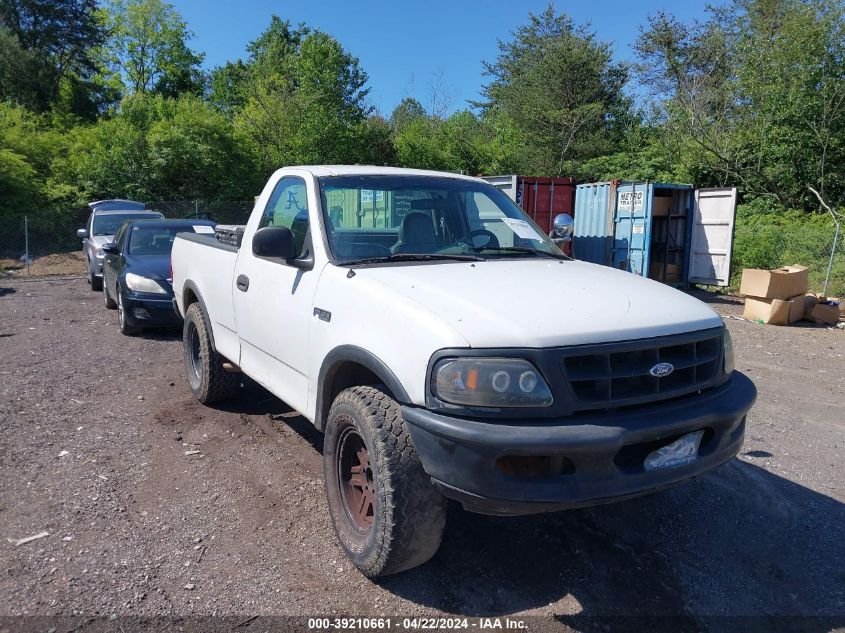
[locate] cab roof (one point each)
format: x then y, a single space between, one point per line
374 170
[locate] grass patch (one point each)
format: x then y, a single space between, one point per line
770 238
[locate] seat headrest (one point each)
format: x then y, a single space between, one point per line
417 228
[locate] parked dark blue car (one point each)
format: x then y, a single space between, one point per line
136 272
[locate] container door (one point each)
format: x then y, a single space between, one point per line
594 211
711 238
631 228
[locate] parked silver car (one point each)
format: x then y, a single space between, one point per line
106 217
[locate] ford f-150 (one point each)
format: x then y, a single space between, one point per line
448 349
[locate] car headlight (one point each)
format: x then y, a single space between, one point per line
99 252
728 352
490 382
143 284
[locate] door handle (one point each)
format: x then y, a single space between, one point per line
242 283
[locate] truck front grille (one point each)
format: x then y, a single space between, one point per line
612 375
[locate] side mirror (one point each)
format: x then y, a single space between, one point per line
81 233
110 248
278 242
274 241
563 226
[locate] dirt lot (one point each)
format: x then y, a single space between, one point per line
49 265
94 428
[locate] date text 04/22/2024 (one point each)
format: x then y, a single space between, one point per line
411 624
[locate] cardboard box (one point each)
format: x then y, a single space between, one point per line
660 206
774 311
810 302
824 313
781 283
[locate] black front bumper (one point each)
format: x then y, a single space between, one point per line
604 449
156 312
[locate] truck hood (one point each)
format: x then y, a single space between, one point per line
544 303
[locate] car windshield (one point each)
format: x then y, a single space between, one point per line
108 224
155 240
402 218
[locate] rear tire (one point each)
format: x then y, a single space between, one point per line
208 381
386 513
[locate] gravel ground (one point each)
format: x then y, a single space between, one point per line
99 433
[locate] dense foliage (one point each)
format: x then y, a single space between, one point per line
109 99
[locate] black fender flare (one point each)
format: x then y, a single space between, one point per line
352 353
190 285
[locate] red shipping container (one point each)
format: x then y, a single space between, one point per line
541 198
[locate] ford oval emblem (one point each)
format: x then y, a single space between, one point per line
661 370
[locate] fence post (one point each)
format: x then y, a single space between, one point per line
832 253
26 243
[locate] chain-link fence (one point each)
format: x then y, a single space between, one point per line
45 243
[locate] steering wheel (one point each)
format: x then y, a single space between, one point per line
492 240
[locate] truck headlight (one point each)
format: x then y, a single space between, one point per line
728 352
143 284
490 382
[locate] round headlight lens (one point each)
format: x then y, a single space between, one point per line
489 382
527 381
501 380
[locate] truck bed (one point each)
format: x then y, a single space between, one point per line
210 265
209 240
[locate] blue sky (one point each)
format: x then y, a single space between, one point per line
407 46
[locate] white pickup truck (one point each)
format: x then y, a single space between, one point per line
448 349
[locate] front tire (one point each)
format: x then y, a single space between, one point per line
208 381
125 328
386 513
95 282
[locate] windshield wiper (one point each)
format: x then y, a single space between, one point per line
524 249
414 257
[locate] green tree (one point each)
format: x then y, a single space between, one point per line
47 46
557 83
407 110
310 108
753 96
194 152
28 147
375 142
157 147
270 54
458 143
149 47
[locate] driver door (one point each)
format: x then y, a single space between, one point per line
273 301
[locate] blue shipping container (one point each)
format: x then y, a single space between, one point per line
668 232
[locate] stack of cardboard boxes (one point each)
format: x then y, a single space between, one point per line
779 297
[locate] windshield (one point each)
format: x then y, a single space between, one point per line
108 224
156 240
395 218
